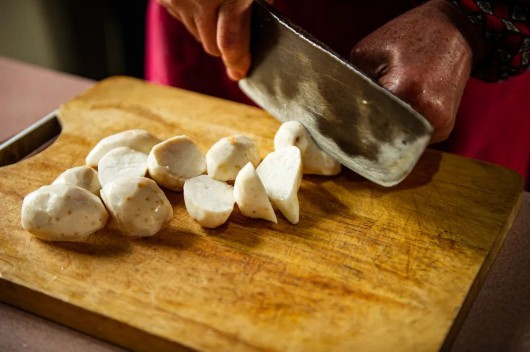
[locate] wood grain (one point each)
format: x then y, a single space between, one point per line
367 268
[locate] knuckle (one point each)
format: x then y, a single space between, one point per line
441 135
356 52
439 114
420 95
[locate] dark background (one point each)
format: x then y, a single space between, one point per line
89 38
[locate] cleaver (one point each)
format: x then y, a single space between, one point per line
366 128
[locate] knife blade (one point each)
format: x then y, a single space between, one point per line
293 76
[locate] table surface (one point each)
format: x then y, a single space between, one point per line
498 320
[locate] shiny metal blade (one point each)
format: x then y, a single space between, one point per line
352 118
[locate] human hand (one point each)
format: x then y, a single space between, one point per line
222 26
424 57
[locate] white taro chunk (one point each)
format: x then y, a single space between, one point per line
314 160
63 212
226 157
291 133
208 201
140 140
81 176
281 174
139 206
251 196
175 160
121 162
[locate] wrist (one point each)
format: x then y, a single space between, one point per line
470 32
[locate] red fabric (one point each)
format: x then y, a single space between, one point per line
493 123
174 57
504 26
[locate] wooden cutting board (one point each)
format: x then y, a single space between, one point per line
366 269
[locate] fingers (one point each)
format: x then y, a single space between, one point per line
183 16
222 26
207 28
189 23
416 90
200 22
233 37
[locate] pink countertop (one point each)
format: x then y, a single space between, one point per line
28 93
499 319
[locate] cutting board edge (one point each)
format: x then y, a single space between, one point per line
481 275
122 78
85 321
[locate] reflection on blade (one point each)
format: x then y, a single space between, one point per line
361 124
